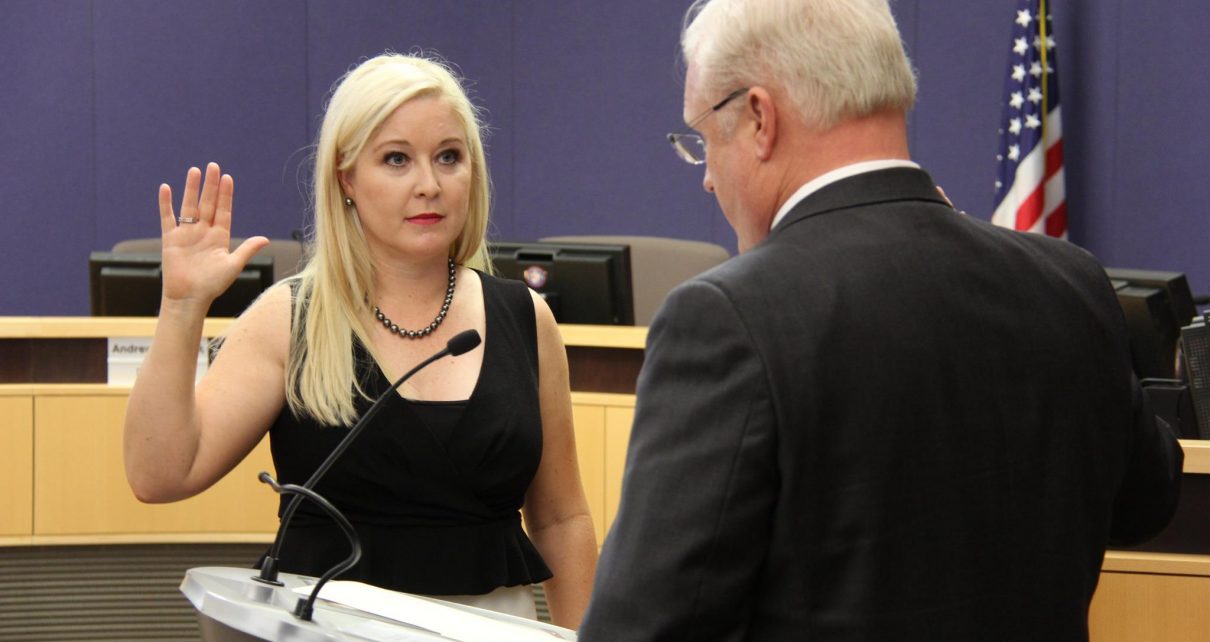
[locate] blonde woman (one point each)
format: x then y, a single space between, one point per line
436 484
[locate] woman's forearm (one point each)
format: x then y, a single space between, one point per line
570 550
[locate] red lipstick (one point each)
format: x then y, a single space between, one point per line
427 218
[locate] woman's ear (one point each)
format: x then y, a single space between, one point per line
346 186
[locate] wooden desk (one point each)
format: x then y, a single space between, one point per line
73 350
60 463
61 439
1158 597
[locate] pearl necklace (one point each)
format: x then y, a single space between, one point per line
424 332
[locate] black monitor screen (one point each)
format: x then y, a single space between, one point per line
123 284
582 283
1152 327
1174 285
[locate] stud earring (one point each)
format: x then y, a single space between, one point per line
348 202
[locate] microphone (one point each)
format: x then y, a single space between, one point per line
460 343
306 606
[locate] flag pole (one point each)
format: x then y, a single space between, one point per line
1042 13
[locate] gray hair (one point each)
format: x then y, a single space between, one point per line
835 59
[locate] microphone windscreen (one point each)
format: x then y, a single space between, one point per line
463 342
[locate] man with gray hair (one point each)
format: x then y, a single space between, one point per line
883 420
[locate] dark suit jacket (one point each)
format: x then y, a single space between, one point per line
888 421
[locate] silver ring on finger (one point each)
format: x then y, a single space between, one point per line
187 220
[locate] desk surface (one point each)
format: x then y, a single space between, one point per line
596 336
74 350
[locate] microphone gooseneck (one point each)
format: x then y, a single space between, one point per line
306 605
460 343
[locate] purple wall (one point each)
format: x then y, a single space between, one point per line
1134 90
102 101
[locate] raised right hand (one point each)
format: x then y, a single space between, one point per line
198 266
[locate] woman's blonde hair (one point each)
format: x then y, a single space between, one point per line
332 304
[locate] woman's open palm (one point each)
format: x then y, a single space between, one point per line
198 266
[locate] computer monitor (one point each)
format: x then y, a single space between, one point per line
1152 328
581 282
1195 361
127 284
1174 284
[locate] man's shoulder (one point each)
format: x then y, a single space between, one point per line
744 271
745 283
1058 252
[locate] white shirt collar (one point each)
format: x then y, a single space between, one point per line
831 177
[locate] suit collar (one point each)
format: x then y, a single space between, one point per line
869 188
838 174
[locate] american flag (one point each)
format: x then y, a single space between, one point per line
1029 188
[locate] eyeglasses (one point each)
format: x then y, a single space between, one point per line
690 147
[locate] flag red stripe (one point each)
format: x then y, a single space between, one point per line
1030 210
1054 159
1056 223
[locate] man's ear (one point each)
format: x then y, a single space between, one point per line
764 116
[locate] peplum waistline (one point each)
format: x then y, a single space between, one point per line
455 559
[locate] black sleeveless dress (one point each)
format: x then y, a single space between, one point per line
433 489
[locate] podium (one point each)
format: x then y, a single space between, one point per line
232 607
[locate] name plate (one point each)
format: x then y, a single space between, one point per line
126 354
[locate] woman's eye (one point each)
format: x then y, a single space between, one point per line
398 159
449 157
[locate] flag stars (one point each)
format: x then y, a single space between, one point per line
1029 100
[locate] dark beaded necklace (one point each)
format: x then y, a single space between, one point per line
426 331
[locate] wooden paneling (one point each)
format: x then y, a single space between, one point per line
1189 530
45 350
90 327
590 448
73 350
64 483
602 434
16 465
52 361
1197 455
603 369
1167 606
75 489
80 483
617 438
